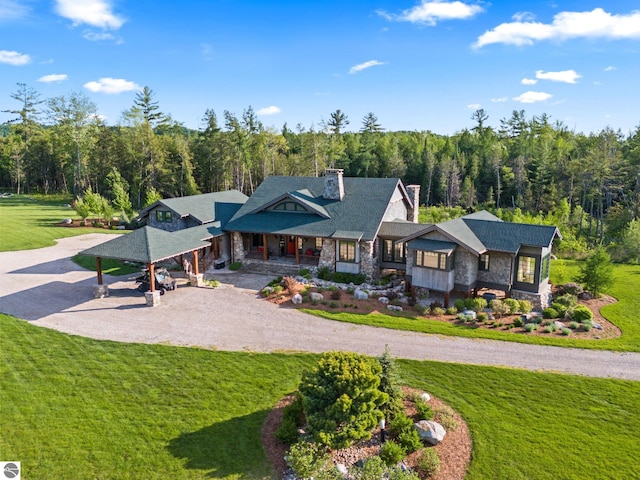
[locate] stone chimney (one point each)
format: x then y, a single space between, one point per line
333 184
414 195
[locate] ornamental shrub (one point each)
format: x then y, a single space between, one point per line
530 327
587 325
429 462
560 308
437 312
573 325
566 332
445 416
525 306
550 312
390 384
499 307
482 317
309 460
459 304
235 266
476 304
513 304
341 397
518 322
452 311
580 313
567 300
424 410
391 453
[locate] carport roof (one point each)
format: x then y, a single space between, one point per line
150 245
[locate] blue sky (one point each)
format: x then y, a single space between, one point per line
417 65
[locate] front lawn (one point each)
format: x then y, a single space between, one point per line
623 314
72 407
30 222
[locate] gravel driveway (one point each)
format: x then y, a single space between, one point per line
46 288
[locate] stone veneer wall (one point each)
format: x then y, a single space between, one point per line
176 222
238 247
500 266
368 263
328 255
466 266
539 300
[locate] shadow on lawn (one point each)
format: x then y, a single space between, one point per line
225 448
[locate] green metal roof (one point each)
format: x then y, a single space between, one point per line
150 245
400 228
347 235
432 245
205 207
361 210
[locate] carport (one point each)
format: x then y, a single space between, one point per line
149 245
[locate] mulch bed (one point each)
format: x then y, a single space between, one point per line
348 304
454 451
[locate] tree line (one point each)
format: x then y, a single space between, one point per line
530 165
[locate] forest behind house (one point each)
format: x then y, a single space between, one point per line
527 170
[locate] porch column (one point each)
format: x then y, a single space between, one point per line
446 300
265 247
99 269
297 251
216 248
152 276
195 262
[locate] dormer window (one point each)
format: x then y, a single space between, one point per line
289 207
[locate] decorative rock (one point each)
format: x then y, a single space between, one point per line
100 291
560 325
470 313
196 280
384 300
394 308
360 294
597 326
316 297
425 396
153 298
430 432
342 469
67 221
296 299
268 290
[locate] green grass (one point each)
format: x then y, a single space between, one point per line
28 222
624 314
72 407
109 266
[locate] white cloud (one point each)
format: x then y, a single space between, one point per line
364 66
610 68
500 99
54 78
111 85
565 76
14 58
523 16
431 12
270 110
528 81
474 106
532 97
100 36
12 10
96 13
594 24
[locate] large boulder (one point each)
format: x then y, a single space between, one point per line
360 294
394 308
384 300
430 432
316 297
296 299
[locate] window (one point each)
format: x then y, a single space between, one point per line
346 251
483 262
526 270
431 260
163 216
544 271
289 207
393 251
318 243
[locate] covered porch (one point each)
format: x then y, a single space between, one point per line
281 248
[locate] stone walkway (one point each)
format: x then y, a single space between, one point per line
46 288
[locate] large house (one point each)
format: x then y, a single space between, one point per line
481 251
343 224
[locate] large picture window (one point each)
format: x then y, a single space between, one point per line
431 260
526 270
393 251
346 251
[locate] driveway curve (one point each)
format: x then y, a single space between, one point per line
46 288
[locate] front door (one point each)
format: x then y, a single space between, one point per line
291 245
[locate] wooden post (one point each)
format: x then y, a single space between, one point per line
216 248
99 269
196 270
446 300
265 247
297 251
152 276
